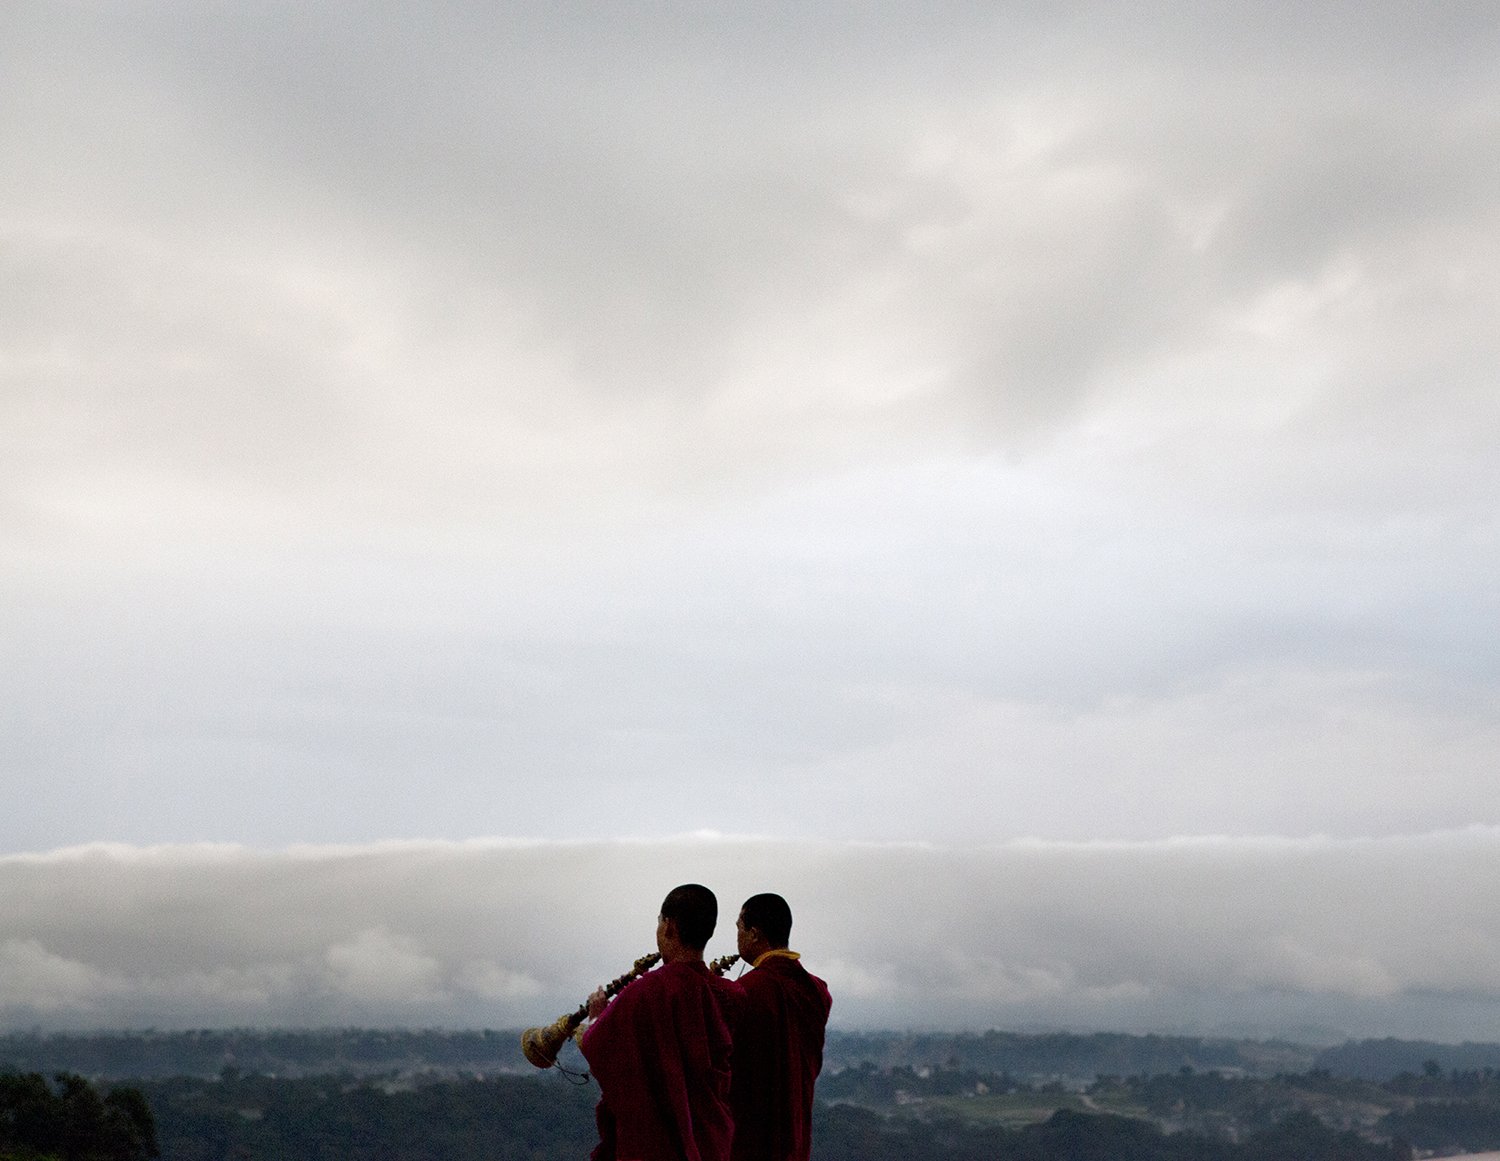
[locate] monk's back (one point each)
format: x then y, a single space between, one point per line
661 1055
777 1057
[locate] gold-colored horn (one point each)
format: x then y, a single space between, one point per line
541 1045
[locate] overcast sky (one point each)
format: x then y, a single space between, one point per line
1000 427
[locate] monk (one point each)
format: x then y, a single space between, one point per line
778 1051
661 1049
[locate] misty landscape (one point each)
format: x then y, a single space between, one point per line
452 1096
1017 480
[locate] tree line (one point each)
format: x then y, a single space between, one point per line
868 1113
68 1119
511 1118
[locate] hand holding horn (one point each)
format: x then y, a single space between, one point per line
541 1045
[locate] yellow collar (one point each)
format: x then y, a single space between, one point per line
775 951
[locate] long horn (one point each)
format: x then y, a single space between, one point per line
541 1045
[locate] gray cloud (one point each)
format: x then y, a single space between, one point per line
470 421
1363 936
653 203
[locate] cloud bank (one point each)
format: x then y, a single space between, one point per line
1387 937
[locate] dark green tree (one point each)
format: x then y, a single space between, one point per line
70 1121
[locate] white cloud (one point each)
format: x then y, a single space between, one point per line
376 967
490 982
34 979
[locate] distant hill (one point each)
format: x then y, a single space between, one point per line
1383 1059
1069 1058
355 1052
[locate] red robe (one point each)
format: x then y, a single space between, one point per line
778 1053
660 1052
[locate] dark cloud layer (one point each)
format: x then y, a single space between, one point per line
1312 937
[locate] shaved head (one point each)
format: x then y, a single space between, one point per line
770 915
695 911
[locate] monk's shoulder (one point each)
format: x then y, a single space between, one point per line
786 981
693 980
730 996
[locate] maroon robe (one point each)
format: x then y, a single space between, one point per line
660 1052
778 1053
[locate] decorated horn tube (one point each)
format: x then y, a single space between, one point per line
541 1045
